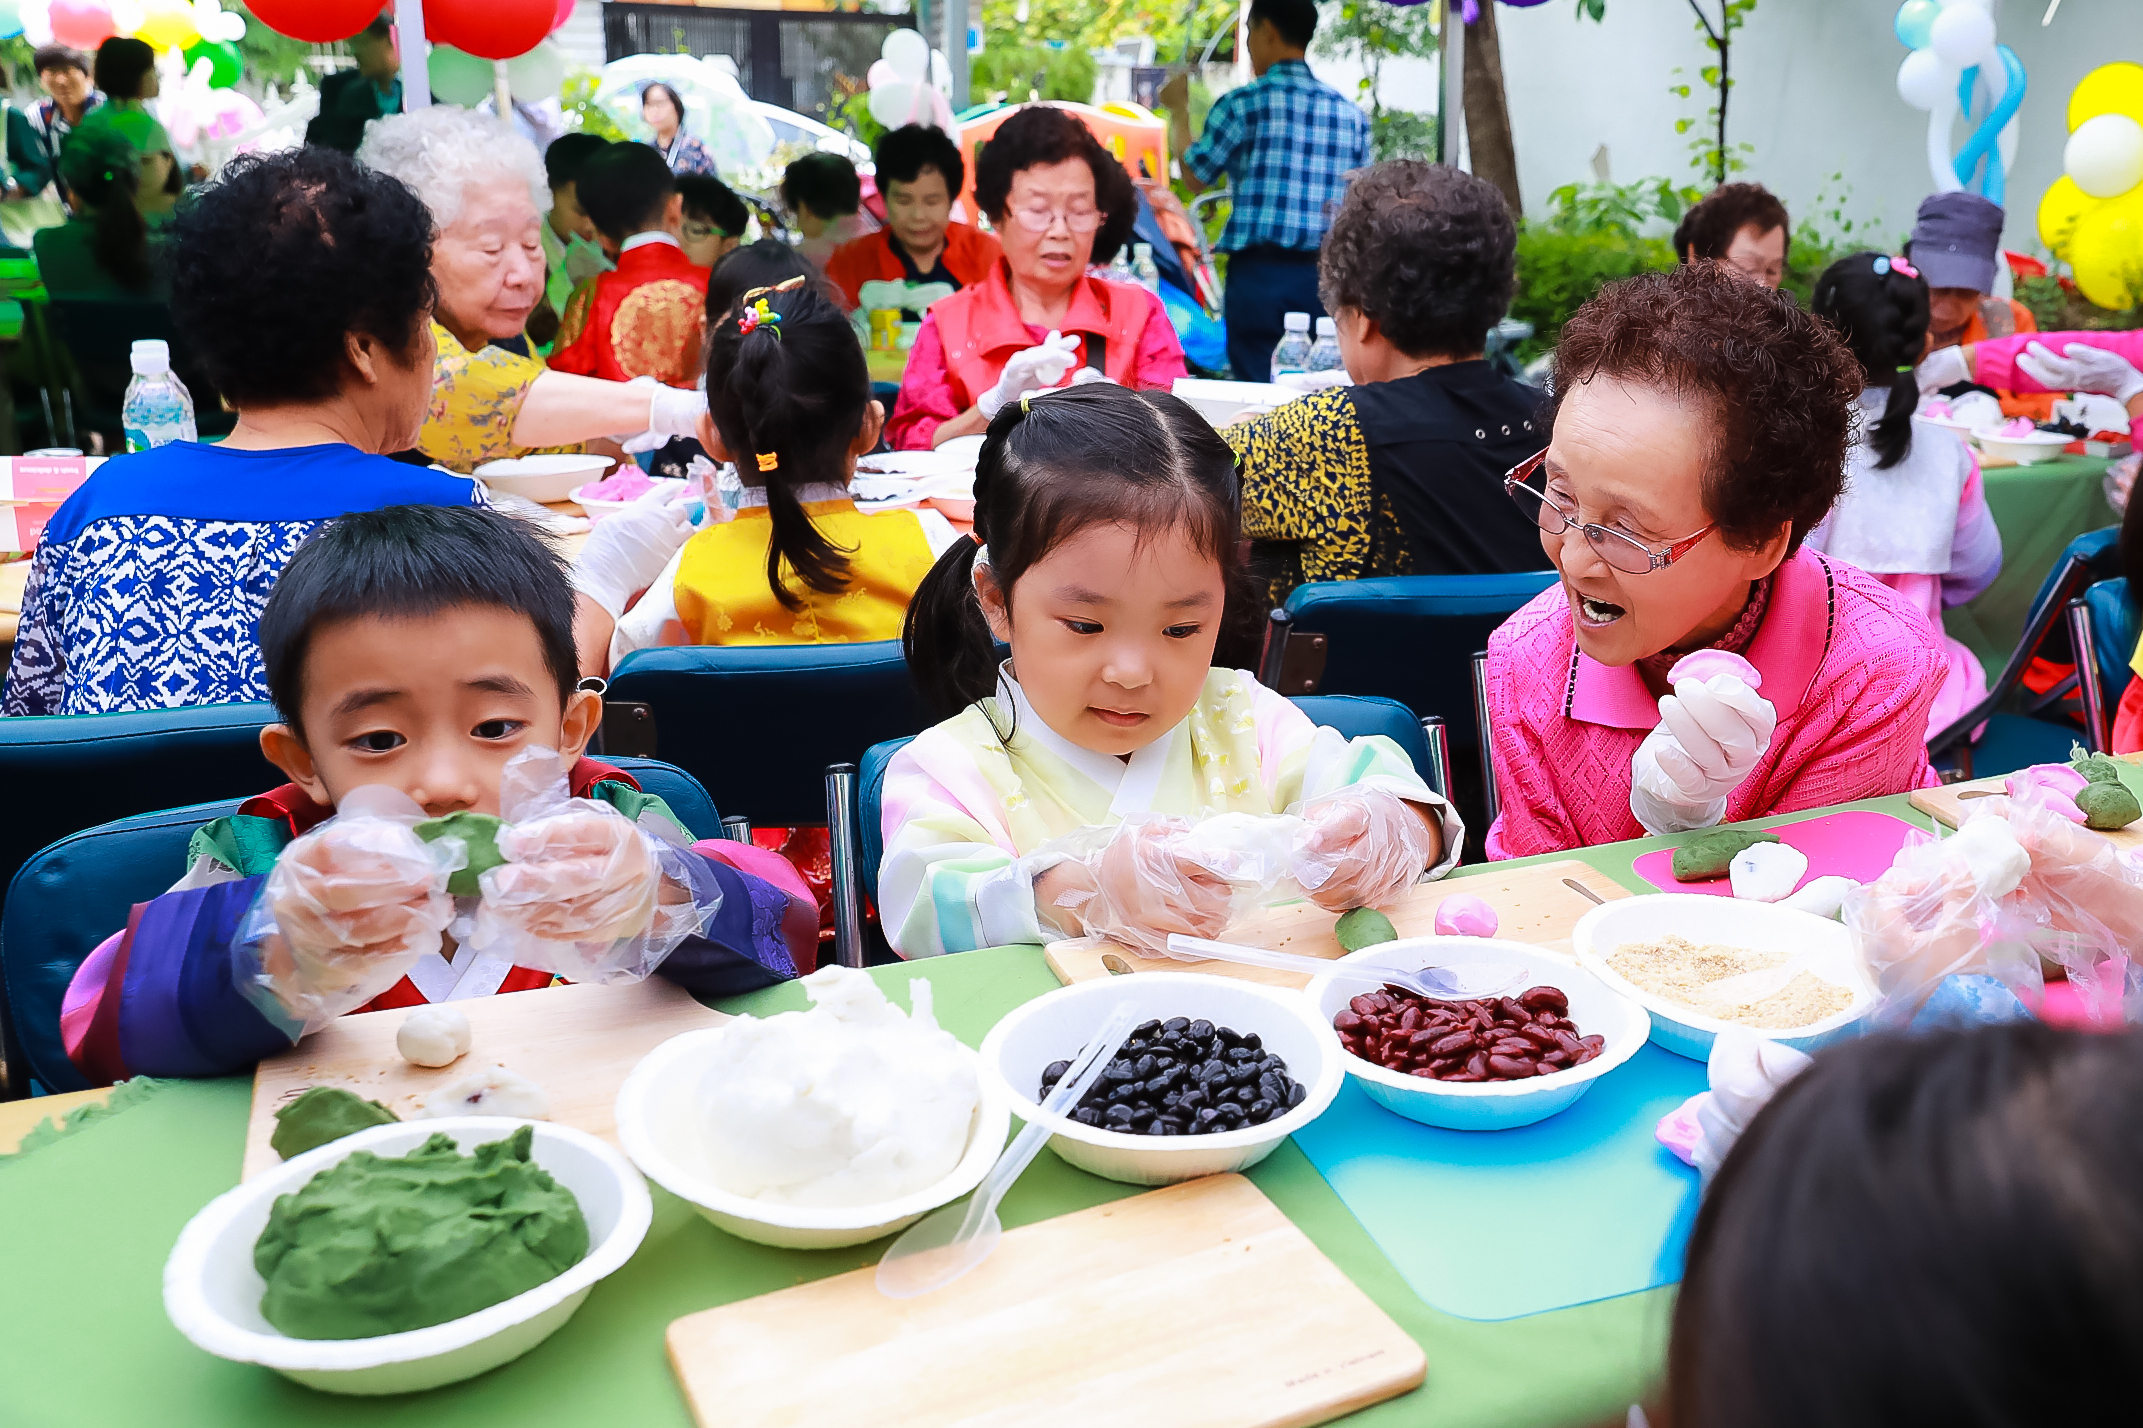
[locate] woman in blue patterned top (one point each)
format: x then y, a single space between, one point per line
302 284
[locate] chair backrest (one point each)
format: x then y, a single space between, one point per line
1411 637
2114 629
760 723
77 892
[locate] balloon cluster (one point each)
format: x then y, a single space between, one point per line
1957 68
901 91
2093 214
198 29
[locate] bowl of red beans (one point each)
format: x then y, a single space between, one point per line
1522 1035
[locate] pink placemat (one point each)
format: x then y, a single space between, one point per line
1857 845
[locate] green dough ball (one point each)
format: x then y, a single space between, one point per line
1364 927
2107 806
1707 855
2095 767
479 832
380 1245
322 1114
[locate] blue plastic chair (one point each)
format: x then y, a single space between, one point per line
74 894
2104 622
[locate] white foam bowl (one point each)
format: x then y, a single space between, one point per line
542 479
1056 1024
1758 926
1598 1010
2023 450
658 1115
212 1292
1222 403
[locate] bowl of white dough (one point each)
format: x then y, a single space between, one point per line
213 1292
2025 448
818 1129
543 479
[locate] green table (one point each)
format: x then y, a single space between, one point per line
89 1218
2039 510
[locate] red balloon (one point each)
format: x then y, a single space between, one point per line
492 29
319 22
81 24
565 13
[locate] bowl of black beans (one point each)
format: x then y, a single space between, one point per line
1215 1074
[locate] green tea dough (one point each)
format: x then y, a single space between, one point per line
380 1245
322 1114
2096 768
1707 856
479 833
2107 806
1364 927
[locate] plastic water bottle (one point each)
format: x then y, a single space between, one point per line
1324 353
1143 267
158 409
1292 356
1119 268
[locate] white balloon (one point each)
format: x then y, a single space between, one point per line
537 75
899 103
908 53
2105 155
1963 35
879 73
1924 81
36 17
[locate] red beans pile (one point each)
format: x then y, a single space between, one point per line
1492 1039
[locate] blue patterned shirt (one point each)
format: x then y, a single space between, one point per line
1286 141
147 586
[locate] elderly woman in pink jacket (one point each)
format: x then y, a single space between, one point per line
1700 431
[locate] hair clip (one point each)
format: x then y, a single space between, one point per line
786 285
768 461
759 315
1899 265
1882 266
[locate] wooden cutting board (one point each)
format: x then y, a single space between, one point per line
1949 803
577 1042
1535 904
1195 1306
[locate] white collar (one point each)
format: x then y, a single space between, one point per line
812 491
641 240
1133 782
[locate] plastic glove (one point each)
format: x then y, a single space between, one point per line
582 874
1943 367
626 551
1709 737
2083 368
1150 880
671 412
1037 367
1360 847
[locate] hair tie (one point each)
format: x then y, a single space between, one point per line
1903 367
1026 406
768 461
759 315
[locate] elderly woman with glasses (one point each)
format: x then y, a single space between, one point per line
1059 203
1699 432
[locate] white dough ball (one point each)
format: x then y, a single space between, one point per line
433 1035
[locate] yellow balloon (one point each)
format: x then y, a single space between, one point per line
2060 210
2109 89
2106 251
168 25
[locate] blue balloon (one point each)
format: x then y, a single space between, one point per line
1916 22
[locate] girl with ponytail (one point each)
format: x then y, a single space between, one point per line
1073 788
1914 513
103 251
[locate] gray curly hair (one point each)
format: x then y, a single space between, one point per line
441 151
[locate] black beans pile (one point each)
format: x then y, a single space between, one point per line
1490 1039
1185 1077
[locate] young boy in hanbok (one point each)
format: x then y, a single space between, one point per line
1106 779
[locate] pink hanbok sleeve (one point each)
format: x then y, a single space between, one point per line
1994 360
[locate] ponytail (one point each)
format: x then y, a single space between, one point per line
1892 437
1879 305
948 643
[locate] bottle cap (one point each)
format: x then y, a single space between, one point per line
1297 322
1326 327
1141 251
150 356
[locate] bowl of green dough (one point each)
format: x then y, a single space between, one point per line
409 1255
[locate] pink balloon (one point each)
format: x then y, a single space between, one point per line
81 24
565 13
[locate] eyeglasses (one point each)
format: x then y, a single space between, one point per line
1625 553
1038 220
696 231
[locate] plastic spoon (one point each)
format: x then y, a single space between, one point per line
1749 987
1436 983
949 1242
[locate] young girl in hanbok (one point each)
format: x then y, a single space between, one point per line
1106 779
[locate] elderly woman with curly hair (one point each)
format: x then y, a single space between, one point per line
1401 474
1059 203
491 398
1699 432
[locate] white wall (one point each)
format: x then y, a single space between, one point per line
1815 95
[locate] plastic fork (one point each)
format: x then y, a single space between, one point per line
1462 982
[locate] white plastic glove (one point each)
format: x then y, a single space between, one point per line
2083 368
1360 847
1710 735
626 551
1944 367
672 412
1031 370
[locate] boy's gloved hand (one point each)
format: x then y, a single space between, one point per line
581 874
1360 847
626 551
350 895
1037 367
2082 368
1710 735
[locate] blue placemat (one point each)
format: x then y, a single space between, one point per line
1495 1225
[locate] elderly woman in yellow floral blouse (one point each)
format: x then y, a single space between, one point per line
487 193
1401 473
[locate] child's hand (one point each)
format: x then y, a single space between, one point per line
582 874
1361 848
357 887
1149 885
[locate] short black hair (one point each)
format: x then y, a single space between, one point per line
409 562
824 183
709 198
58 57
320 246
759 265
623 189
1427 250
568 154
904 153
380 28
1709 227
122 62
677 101
1044 134
1295 20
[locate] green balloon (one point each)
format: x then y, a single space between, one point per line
223 57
